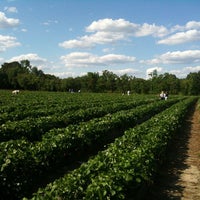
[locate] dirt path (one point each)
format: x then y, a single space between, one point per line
179 178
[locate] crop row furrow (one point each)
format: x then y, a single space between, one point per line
19 112
33 128
125 166
27 162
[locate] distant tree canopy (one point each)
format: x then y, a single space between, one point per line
21 75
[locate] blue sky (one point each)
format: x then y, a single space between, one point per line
69 38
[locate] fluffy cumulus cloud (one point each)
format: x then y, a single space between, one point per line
106 31
65 74
151 29
192 25
126 28
76 44
190 32
188 26
182 73
30 56
176 57
129 71
181 37
34 59
6 22
84 59
7 42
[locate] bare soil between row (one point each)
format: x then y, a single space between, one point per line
179 177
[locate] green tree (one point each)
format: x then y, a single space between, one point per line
90 81
35 71
124 83
26 65
184 86
171 83
108 81
193 83
140 86
165 82
11 70
29 81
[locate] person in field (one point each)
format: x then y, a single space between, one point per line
15 92
162 95
166 95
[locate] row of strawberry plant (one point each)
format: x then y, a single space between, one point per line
22 163
52 109
126 165
22 110
34 128
39 111
37 100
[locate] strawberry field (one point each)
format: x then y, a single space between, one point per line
84 146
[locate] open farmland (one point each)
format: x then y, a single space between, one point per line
84 146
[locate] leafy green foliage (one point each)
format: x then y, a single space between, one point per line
36 158
57 127
128 163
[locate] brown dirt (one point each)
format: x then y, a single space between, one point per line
179 177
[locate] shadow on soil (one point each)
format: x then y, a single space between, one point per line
165 186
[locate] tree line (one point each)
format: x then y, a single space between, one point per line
21 75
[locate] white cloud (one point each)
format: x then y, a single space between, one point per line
116 59
106 31
151 29
150 70
181 37
181 34
30 56
75 44
84 59
7 22
79 59
11 9
34 59
176 57
193 69
182 73
64 74
89 41
7 42
126 28
128 71
188 26
110 25
192 25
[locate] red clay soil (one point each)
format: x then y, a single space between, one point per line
179 177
